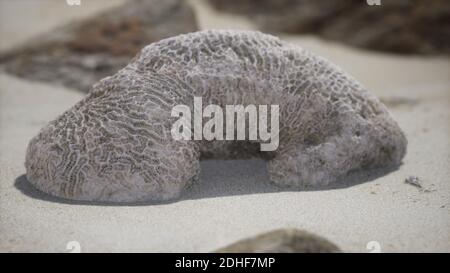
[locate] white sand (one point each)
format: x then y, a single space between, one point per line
234 198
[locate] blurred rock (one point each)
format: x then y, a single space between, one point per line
82 53
399 26
282 241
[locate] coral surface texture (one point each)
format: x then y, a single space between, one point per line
116 143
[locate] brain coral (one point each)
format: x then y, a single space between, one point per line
116 145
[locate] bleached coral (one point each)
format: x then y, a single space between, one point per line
115 144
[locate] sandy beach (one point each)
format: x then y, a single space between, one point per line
234 199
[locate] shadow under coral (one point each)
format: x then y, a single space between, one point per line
218 178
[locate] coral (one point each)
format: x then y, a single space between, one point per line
116 145
282 241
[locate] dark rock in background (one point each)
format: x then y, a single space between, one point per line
398 26
82 53
282 241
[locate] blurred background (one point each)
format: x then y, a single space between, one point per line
76 45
